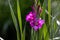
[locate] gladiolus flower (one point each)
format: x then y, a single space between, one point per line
36 24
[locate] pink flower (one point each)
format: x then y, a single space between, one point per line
36 24
30 16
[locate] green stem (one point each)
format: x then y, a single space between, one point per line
49 10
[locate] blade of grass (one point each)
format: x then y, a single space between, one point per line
40 33
19 15
19 19
24 31
54 28
23 34
14 20
45 32
32 34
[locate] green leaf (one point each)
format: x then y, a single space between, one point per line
23 34
14 20
19 15
45 32
41 33
55 26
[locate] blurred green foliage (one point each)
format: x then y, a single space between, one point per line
25 8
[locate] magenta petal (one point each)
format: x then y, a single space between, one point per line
41 22
27 18
35 28
30 16
32 23
30 13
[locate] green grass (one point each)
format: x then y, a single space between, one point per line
39 35
14 20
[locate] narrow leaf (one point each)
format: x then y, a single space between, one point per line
14 20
